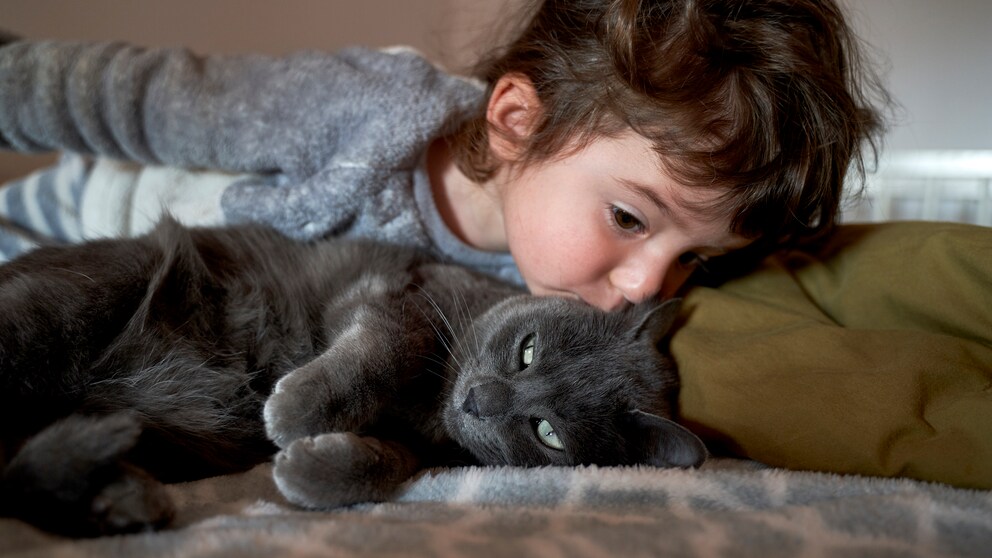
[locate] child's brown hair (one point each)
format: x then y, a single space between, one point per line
766 100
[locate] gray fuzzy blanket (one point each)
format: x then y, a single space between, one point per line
726 508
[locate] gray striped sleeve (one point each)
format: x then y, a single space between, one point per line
43 207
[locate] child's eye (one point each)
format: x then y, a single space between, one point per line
625 220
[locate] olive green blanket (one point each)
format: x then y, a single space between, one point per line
871 354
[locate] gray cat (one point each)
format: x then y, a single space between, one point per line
194 352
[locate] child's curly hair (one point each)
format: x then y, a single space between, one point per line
767 100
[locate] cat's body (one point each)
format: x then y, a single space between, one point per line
158 357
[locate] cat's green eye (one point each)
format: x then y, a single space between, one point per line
527 351
546 434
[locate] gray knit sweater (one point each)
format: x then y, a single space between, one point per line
332 143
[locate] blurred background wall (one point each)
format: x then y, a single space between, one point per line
938 56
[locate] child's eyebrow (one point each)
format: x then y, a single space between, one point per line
652 197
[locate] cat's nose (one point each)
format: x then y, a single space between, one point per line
488 400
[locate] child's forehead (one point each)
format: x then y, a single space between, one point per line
628 166
640 169
674 199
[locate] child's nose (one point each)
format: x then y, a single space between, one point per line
640 280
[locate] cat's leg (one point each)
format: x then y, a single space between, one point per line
361 372
71 479
340 469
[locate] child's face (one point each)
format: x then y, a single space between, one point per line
606 224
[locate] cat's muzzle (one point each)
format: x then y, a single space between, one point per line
490 399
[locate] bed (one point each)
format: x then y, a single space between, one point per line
841 425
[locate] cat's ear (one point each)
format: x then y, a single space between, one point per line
654 322
664 443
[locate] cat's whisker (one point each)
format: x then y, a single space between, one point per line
466 316
430 300
455 340
475 336
447 342
440 313
440 334
452 348
81 274
444 365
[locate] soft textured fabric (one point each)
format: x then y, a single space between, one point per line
726 508
318 143
871 354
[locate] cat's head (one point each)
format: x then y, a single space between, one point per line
553 381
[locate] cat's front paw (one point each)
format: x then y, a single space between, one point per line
340 469
307 402
292 413
296 408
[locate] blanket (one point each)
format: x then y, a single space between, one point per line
727 507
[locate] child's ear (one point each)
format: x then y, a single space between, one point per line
512 112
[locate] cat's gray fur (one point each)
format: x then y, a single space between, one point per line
124 363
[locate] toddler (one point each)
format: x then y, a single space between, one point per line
604 153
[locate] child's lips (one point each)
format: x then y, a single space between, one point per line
538 290
566 294
611 306
617 303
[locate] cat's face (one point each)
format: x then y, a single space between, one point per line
551 381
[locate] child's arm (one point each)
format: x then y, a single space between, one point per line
169 106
